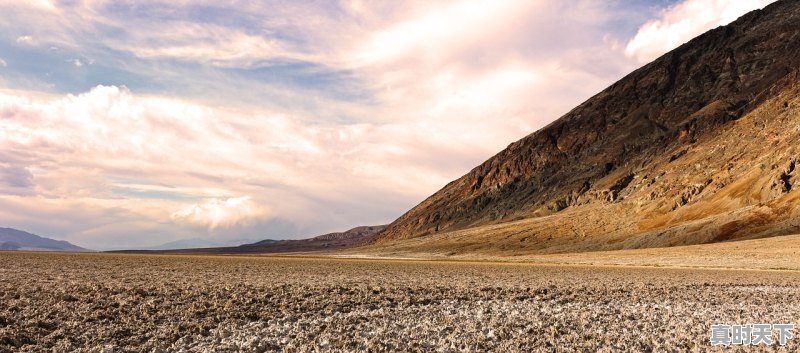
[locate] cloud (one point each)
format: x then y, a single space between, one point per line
3 63
211 44
173 163
91 222
43 4
353 114
459 24
15 179
214 213
169 30
684 21
24 39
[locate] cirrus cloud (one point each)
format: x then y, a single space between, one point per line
684 21
177 164
283 119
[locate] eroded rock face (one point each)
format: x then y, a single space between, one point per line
353 234
666 136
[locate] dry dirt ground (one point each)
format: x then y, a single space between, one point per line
774 253
54 302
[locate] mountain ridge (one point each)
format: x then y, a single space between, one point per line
199 243
325 242
609 148
14 239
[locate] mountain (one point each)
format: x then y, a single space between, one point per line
12 239
199 243
356 233
261 242
326 242
698 146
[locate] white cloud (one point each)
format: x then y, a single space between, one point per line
684 21
211 44
434 30
214 212
44 4
445 84
166 161
3 63
75 26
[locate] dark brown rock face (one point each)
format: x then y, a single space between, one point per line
670 135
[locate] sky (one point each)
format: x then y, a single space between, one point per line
134 123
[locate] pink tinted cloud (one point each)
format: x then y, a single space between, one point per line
261 165
684 21
450 83
443 103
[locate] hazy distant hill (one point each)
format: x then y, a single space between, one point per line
326 242
698 146
193 243
12 239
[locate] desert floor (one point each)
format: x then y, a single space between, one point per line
56 302
774 253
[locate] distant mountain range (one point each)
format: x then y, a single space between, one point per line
12 239
326 242
192 243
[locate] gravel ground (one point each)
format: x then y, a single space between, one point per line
52 302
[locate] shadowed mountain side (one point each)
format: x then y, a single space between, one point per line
698 146
326 242
12 239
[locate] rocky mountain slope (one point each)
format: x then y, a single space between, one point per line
355 233
699 146
12 239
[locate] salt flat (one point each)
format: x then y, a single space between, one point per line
59 302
